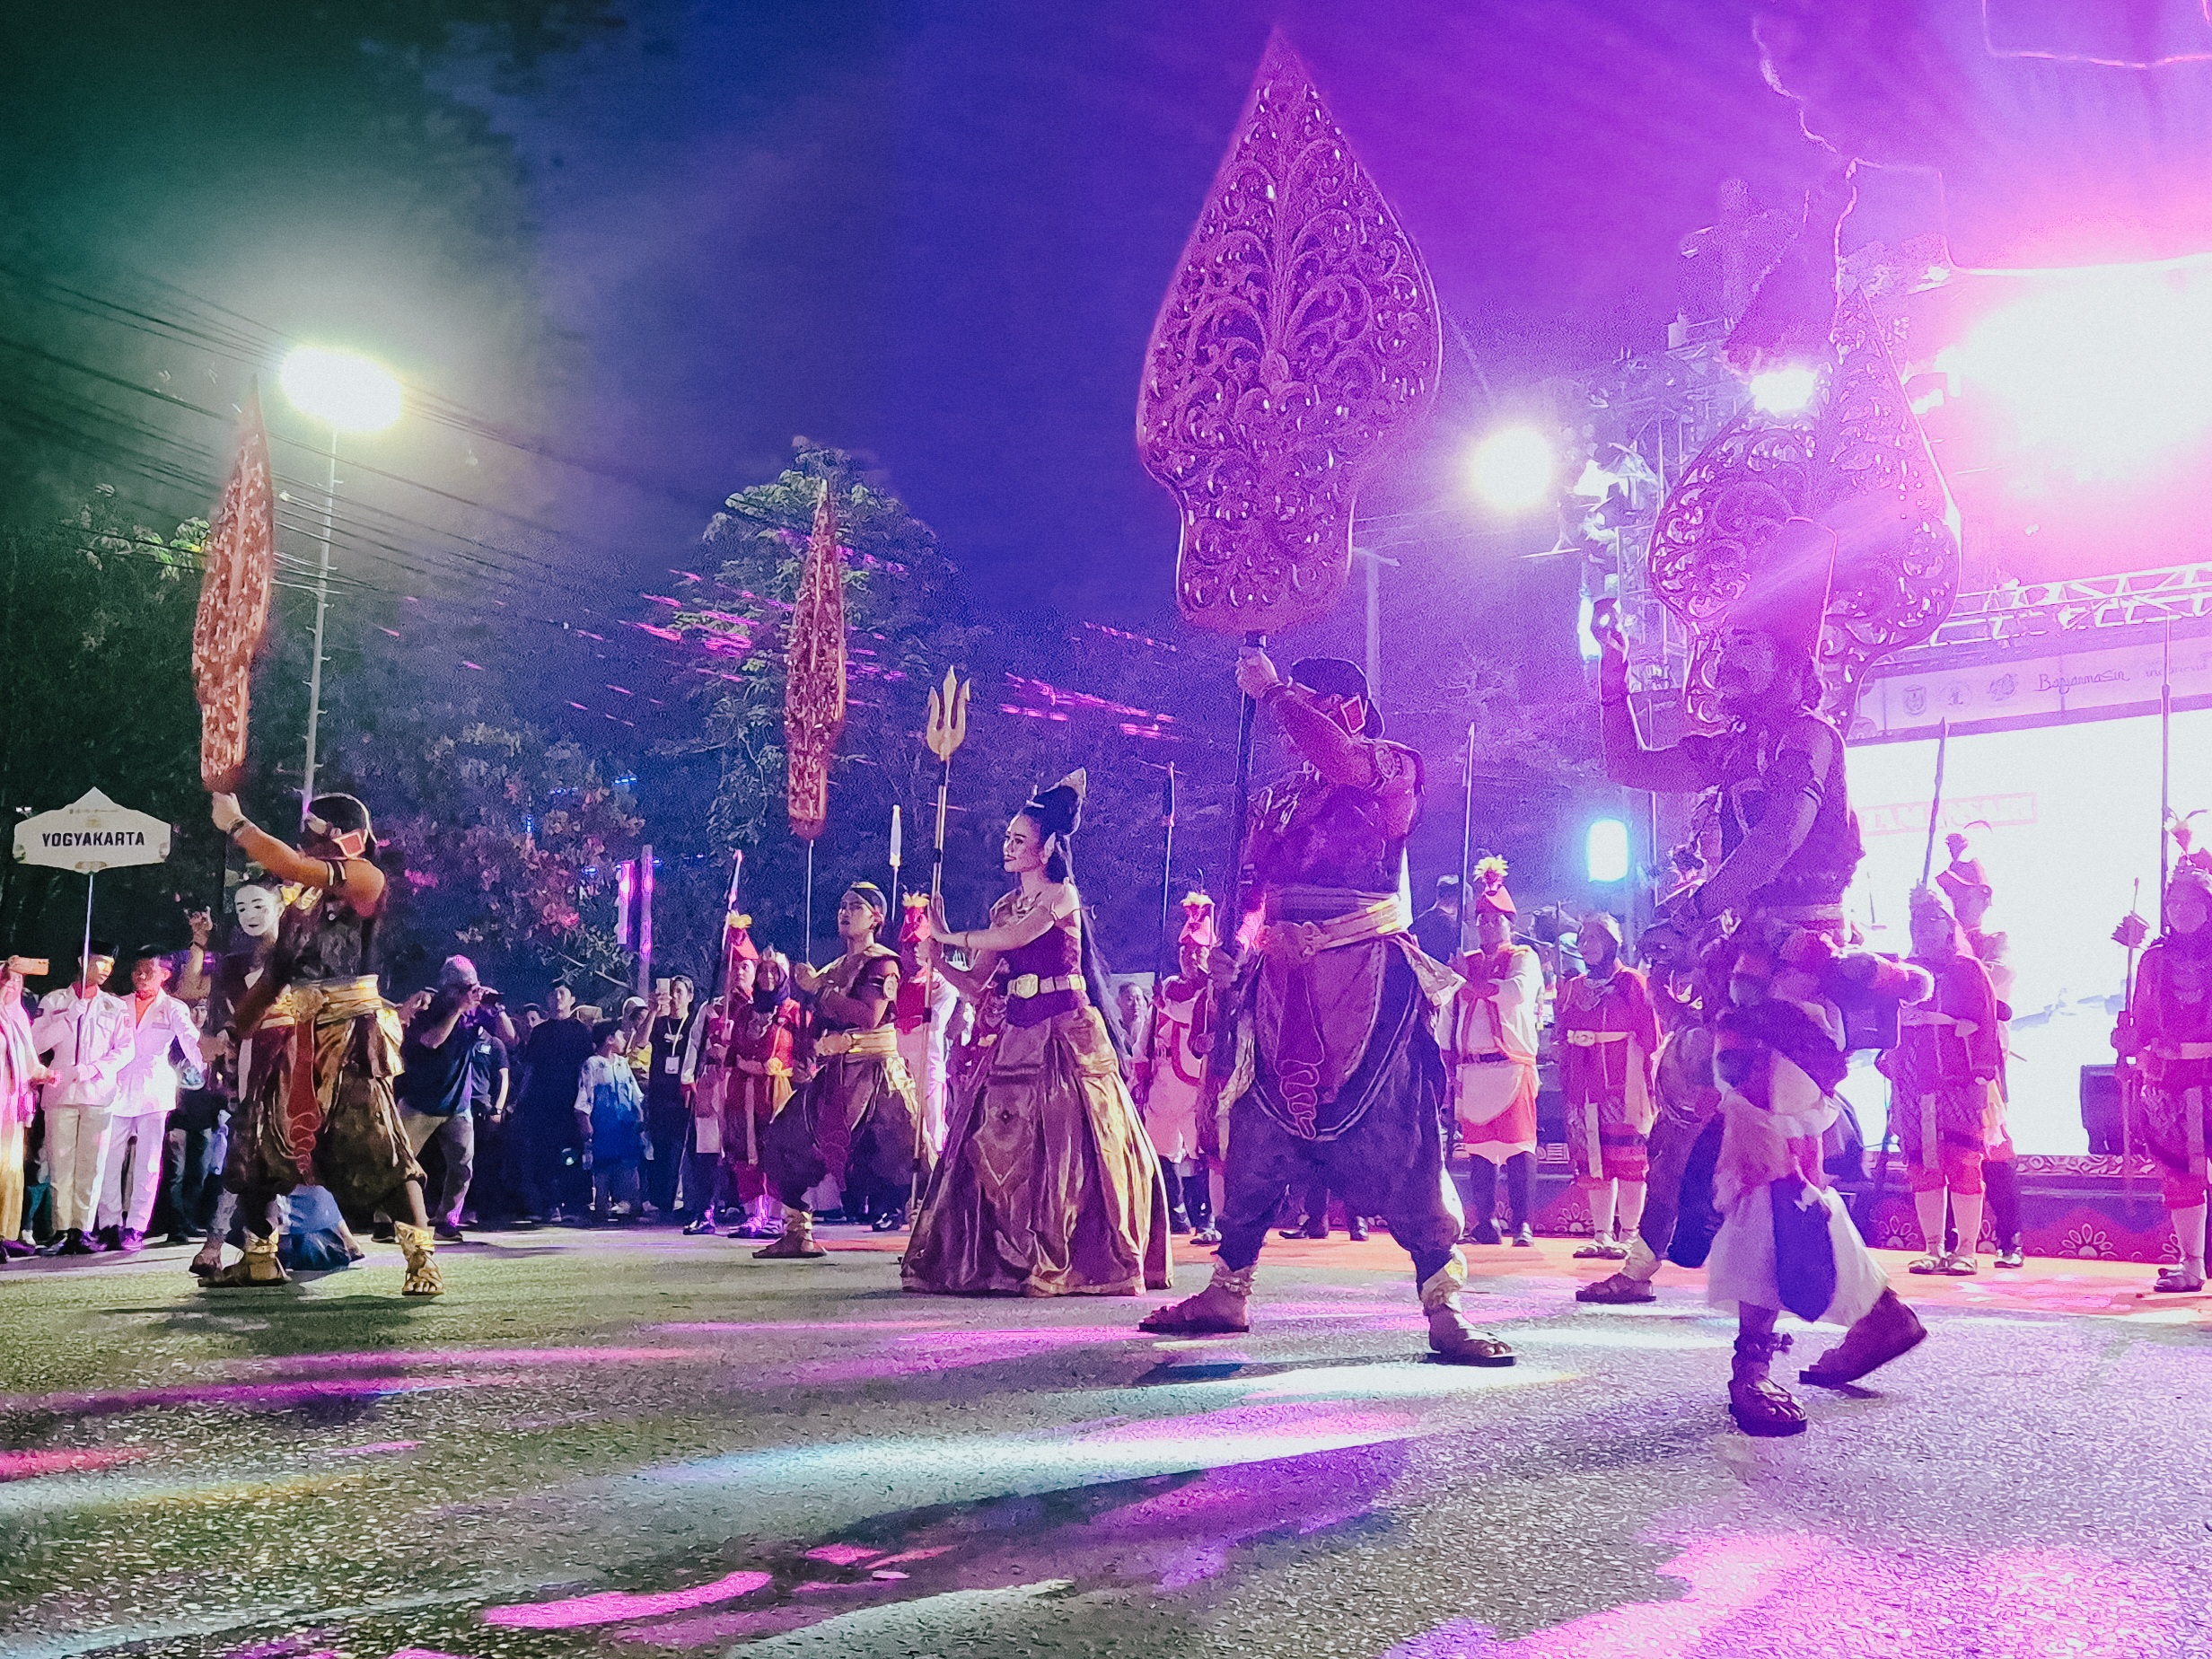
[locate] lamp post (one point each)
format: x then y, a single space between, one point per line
347 393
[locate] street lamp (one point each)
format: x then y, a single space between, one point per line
347 392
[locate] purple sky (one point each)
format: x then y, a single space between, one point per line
940 233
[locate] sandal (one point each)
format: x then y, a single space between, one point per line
2178 1281
1959 1264
1926 1264
1761 1406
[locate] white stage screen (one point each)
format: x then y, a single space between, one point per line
2073 816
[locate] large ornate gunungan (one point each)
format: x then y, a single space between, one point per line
239 560
1856 460
1298 344
814 676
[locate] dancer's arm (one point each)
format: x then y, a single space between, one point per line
868 1003
361 882
1628 762
1055 904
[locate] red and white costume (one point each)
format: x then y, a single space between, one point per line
1489 1037
1609 1044
920 1017
1170 1067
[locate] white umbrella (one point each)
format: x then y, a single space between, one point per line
91 835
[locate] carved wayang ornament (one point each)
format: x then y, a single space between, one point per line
1856 461
1298 344
814 676
240 561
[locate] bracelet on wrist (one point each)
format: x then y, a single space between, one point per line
240 828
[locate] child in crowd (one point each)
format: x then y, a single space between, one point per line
610 1111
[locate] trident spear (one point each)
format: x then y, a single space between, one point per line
947 730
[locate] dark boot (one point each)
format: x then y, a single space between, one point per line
1888 1329
1759 1405
1481 1202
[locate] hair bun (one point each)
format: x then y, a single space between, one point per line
1058 811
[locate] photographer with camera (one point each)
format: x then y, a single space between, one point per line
453 1056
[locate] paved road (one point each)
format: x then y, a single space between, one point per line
639 1444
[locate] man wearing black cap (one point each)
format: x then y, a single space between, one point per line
1327 1061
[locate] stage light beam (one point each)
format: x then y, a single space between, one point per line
1605 851
1785 390
1513 469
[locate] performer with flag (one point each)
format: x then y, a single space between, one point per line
1170 1069
1789 846
321 1106
1489 1050
853 1118
1047 1185
1608 1040
923 1010
1327 1054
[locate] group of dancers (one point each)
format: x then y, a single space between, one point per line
1318 1047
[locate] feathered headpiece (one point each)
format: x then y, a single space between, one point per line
1199 921
1490 894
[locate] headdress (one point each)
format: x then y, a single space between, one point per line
873 895
1058 811
1927 906
1335 677
1598 921
342 821
914 919
1490 895
1199 921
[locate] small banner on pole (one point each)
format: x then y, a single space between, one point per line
814 676
240 561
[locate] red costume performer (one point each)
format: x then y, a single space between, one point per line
2166 1036
1945 1076
1489 1039
1609 1045
1171 1072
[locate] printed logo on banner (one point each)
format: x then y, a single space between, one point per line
2000 811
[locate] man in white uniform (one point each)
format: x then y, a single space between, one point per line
87 1036
163 1029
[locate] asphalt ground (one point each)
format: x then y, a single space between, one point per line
633 1444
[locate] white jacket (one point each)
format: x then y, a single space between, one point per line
149 1082
90 1042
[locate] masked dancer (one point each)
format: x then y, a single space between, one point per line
321 1109
1789 846
1326 1050
1047 1185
